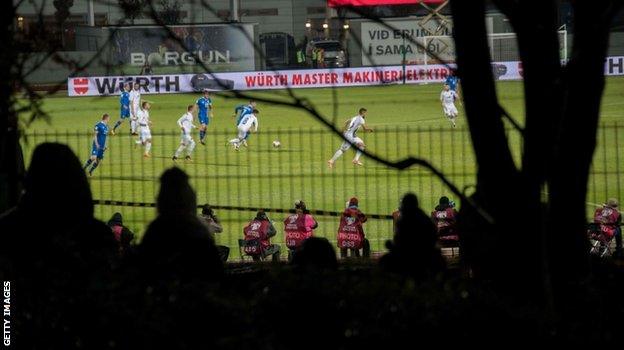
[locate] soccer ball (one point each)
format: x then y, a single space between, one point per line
277 144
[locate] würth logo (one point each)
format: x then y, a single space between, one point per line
81 86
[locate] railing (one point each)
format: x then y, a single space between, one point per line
237 183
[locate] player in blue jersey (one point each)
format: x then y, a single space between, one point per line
452 81
242 110
204 105
99 144
124 101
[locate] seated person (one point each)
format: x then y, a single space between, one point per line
298 227
122 234
610 219
211 221
351 231
257 238
444 218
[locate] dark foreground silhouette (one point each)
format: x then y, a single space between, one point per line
71 287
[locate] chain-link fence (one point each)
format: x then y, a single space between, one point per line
237 183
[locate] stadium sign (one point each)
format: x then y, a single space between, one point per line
386 46
309 78
174 58
231 46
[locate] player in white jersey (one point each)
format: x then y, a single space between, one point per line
448 97
186 142
244 127
351 127
135 104
144 123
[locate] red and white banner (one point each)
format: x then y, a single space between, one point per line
309 78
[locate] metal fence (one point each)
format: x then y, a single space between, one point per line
237 183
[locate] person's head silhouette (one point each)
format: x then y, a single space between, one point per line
56 184
176 196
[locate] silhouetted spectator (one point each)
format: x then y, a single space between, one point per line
210 219
177 245
257 238
316 253
58 258
351 231
122 234
298 227
413 251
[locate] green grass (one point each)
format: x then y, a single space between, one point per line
407 121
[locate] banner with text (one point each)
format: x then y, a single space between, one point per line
229 46
311 78
384 46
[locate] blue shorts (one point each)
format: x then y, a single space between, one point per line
97 152
203 119
125 113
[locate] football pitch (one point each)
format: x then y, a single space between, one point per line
407 121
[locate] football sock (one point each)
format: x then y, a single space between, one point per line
357 155
202 134
89 161
190 147
179 151
117 125
95 165
337 155
148 147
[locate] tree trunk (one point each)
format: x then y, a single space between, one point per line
11 162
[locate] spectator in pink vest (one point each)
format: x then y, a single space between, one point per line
351 231
610 220
122 234
257 238
298 227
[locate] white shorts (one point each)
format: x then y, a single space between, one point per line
242 132
354 139
186 139
450 110
145 133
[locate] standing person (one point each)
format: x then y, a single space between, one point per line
244 128
298 227
610 219
147 69
242 110
186 142
351 231
447 98
135 105
144 122
257 238
453 82
204 104
351 127
124 101
320 57
99 144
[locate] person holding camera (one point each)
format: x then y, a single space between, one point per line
211 221
258 235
